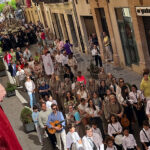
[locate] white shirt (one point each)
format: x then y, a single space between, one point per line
21 74
94 52
148 108
134 96
143 137
91 111
83 94
97 140
49 103
97 130
114 128
59 58
73 85
30 86
64 60
129 142
112 148
82 107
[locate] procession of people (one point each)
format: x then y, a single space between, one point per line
73 111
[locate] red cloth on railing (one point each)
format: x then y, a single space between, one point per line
28 3
8 139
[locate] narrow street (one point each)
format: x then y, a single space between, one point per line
12 106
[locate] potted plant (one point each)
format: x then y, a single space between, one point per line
10 89
2 68
94 71
26 118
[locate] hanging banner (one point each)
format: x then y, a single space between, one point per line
143 11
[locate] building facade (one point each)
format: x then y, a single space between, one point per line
126 22
129 30
86 22
62 19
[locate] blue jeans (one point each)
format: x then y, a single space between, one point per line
32 99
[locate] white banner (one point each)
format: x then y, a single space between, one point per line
143 11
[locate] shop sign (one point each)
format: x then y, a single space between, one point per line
143 11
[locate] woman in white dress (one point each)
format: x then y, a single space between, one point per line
48 64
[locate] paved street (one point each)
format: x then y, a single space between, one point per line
12 106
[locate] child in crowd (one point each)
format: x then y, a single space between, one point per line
128 140
110 144
37 57
96 129
145 135
35 115
73 140
50 101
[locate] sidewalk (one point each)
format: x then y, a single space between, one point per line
12 107
128 75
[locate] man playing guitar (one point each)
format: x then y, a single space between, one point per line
57 116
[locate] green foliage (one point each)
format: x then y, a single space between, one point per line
26 115
2 66
2 6
12 3
10 87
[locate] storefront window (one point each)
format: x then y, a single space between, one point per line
127 35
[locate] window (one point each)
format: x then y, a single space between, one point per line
127 35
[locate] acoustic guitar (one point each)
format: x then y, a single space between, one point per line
55 124
124 121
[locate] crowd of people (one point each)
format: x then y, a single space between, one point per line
96 114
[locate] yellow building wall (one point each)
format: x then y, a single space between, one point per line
138 26
31 14
83 9
61 9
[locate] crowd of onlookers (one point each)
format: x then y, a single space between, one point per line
102 111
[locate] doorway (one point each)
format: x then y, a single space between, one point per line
73 32
146 22
127 36
89 24
64 25
58 26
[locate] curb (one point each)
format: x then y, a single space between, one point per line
19 96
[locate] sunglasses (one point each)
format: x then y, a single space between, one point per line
54 108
